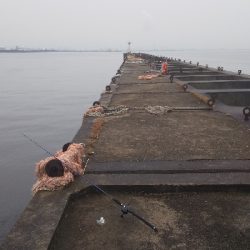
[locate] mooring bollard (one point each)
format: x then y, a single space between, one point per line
246 113
96 103
185 87
171 77
113 80
108 88
210 102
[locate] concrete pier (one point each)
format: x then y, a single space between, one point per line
180 163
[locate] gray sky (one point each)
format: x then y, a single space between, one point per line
158 24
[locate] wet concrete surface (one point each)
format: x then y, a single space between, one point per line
189 73
168 167
163 87
185 220
131 79
221 84
234 98
153 99
209 77
176 135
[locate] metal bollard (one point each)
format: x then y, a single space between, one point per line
171 77
113 80
210 102
185 87
246 113
108 88
96 103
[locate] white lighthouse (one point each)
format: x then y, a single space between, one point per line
129 47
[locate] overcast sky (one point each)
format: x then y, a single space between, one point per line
154 24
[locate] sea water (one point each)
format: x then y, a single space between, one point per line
44 95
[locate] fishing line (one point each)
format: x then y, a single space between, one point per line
38 145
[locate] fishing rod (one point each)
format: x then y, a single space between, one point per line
38 145
124 208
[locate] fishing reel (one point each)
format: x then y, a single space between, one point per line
124 210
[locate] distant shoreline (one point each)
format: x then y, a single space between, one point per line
40 51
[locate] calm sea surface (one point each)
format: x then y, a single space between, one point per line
44 95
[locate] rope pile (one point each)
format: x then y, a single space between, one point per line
106 111
158 110
72 163
120 110
148 76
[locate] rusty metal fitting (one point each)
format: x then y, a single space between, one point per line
171 77
108 88
96 103
246 113
113 80
185 87
210 102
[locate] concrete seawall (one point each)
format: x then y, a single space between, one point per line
175 145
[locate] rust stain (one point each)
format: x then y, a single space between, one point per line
94 135
96 128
